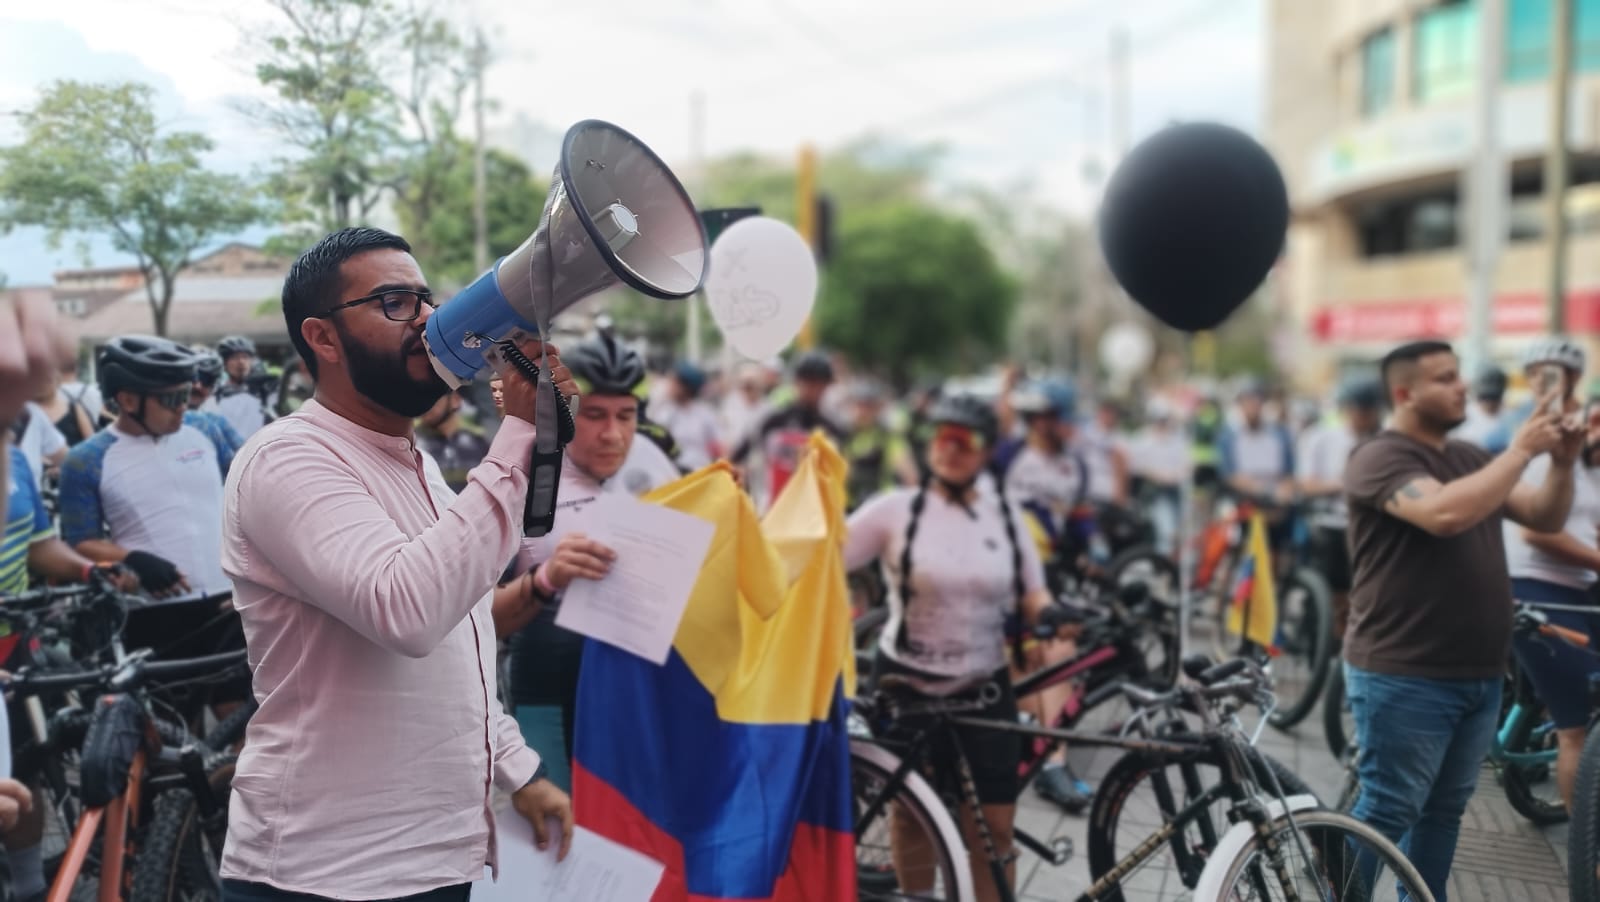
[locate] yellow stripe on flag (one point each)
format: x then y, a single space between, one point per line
1261 607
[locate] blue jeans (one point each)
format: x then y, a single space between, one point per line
1422 742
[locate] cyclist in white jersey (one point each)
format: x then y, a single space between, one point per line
237 401
958 566
603 457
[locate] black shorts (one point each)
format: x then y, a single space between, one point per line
190 629
994 756
1330 556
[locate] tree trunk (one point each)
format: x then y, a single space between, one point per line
160 307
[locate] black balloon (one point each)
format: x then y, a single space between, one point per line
1192 221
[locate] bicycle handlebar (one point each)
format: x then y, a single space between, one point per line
129 674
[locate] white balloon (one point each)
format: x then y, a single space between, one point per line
762 285
1126 348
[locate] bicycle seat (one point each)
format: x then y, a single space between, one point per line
897 682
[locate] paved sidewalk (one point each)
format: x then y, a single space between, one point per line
1501 855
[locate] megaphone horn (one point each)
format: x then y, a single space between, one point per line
614 214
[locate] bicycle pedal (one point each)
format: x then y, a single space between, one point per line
1060 851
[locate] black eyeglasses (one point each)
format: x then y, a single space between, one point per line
400 305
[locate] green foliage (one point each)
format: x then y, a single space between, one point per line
913 289
93 159
442 241
857 177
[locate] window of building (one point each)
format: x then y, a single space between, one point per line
1445 51
1377 72
1528 38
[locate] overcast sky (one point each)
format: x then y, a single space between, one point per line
1017 92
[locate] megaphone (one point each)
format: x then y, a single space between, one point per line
614 215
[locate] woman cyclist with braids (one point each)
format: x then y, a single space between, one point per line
958 566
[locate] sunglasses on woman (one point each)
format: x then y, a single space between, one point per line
959 436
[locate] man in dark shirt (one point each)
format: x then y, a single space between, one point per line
1430 601
782 434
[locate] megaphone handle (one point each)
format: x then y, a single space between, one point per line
539 512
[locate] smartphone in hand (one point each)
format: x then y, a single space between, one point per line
1547 382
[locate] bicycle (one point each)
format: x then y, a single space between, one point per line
1523 750
131 761
1264 831
1303 646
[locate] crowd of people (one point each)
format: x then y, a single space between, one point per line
364 542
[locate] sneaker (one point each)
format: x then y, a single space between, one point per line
1057 783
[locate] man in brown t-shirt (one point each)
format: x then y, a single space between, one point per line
1430 600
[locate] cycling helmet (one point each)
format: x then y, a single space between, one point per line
1048 396
208 368
689 376
1366 394
813 366
142 363
235 344
606 366
1490 384
1555 350
969 411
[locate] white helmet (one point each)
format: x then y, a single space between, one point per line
1555 349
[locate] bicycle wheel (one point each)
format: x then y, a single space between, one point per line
1305 633
1531 788
1138 796
1338 724
1144 564
181 857
1341 860
944 872
1583 836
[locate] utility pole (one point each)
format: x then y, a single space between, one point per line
1485 189
805 217
480 176
697 157
1556 164
1120 96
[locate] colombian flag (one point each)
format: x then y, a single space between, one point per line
1254 609
730 763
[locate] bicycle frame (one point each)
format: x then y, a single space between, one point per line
120 817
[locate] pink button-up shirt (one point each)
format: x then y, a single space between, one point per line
365 586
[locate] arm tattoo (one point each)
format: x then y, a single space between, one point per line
1410 491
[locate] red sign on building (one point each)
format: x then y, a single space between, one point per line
1406 320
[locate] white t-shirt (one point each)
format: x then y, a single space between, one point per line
162 496
1163 456
1056 482
244 412
963 577
1097 447
1322 455
1583 523
646 467
40 440
1479 426
693 426
86 394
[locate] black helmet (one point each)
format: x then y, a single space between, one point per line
235 344
142 363
606 366
813 366
1490 384
208 368
970 411
1366 394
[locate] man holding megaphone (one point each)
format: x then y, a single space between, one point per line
364 585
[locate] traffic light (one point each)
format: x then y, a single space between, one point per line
822 219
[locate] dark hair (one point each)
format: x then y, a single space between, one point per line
314 278
1408 354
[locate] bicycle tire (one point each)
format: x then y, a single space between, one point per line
182 848
1517 781
1331 836
1162 567
1319 642
230 729
1335 708
873 765
1125 776
1583 835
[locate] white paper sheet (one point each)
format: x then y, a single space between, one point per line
595 870
638 605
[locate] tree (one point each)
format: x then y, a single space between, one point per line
368 92
911 288
442 239
94 159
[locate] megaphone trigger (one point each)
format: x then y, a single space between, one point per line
507 354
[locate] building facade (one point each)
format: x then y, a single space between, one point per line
1370 112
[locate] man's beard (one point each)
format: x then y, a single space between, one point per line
385 378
